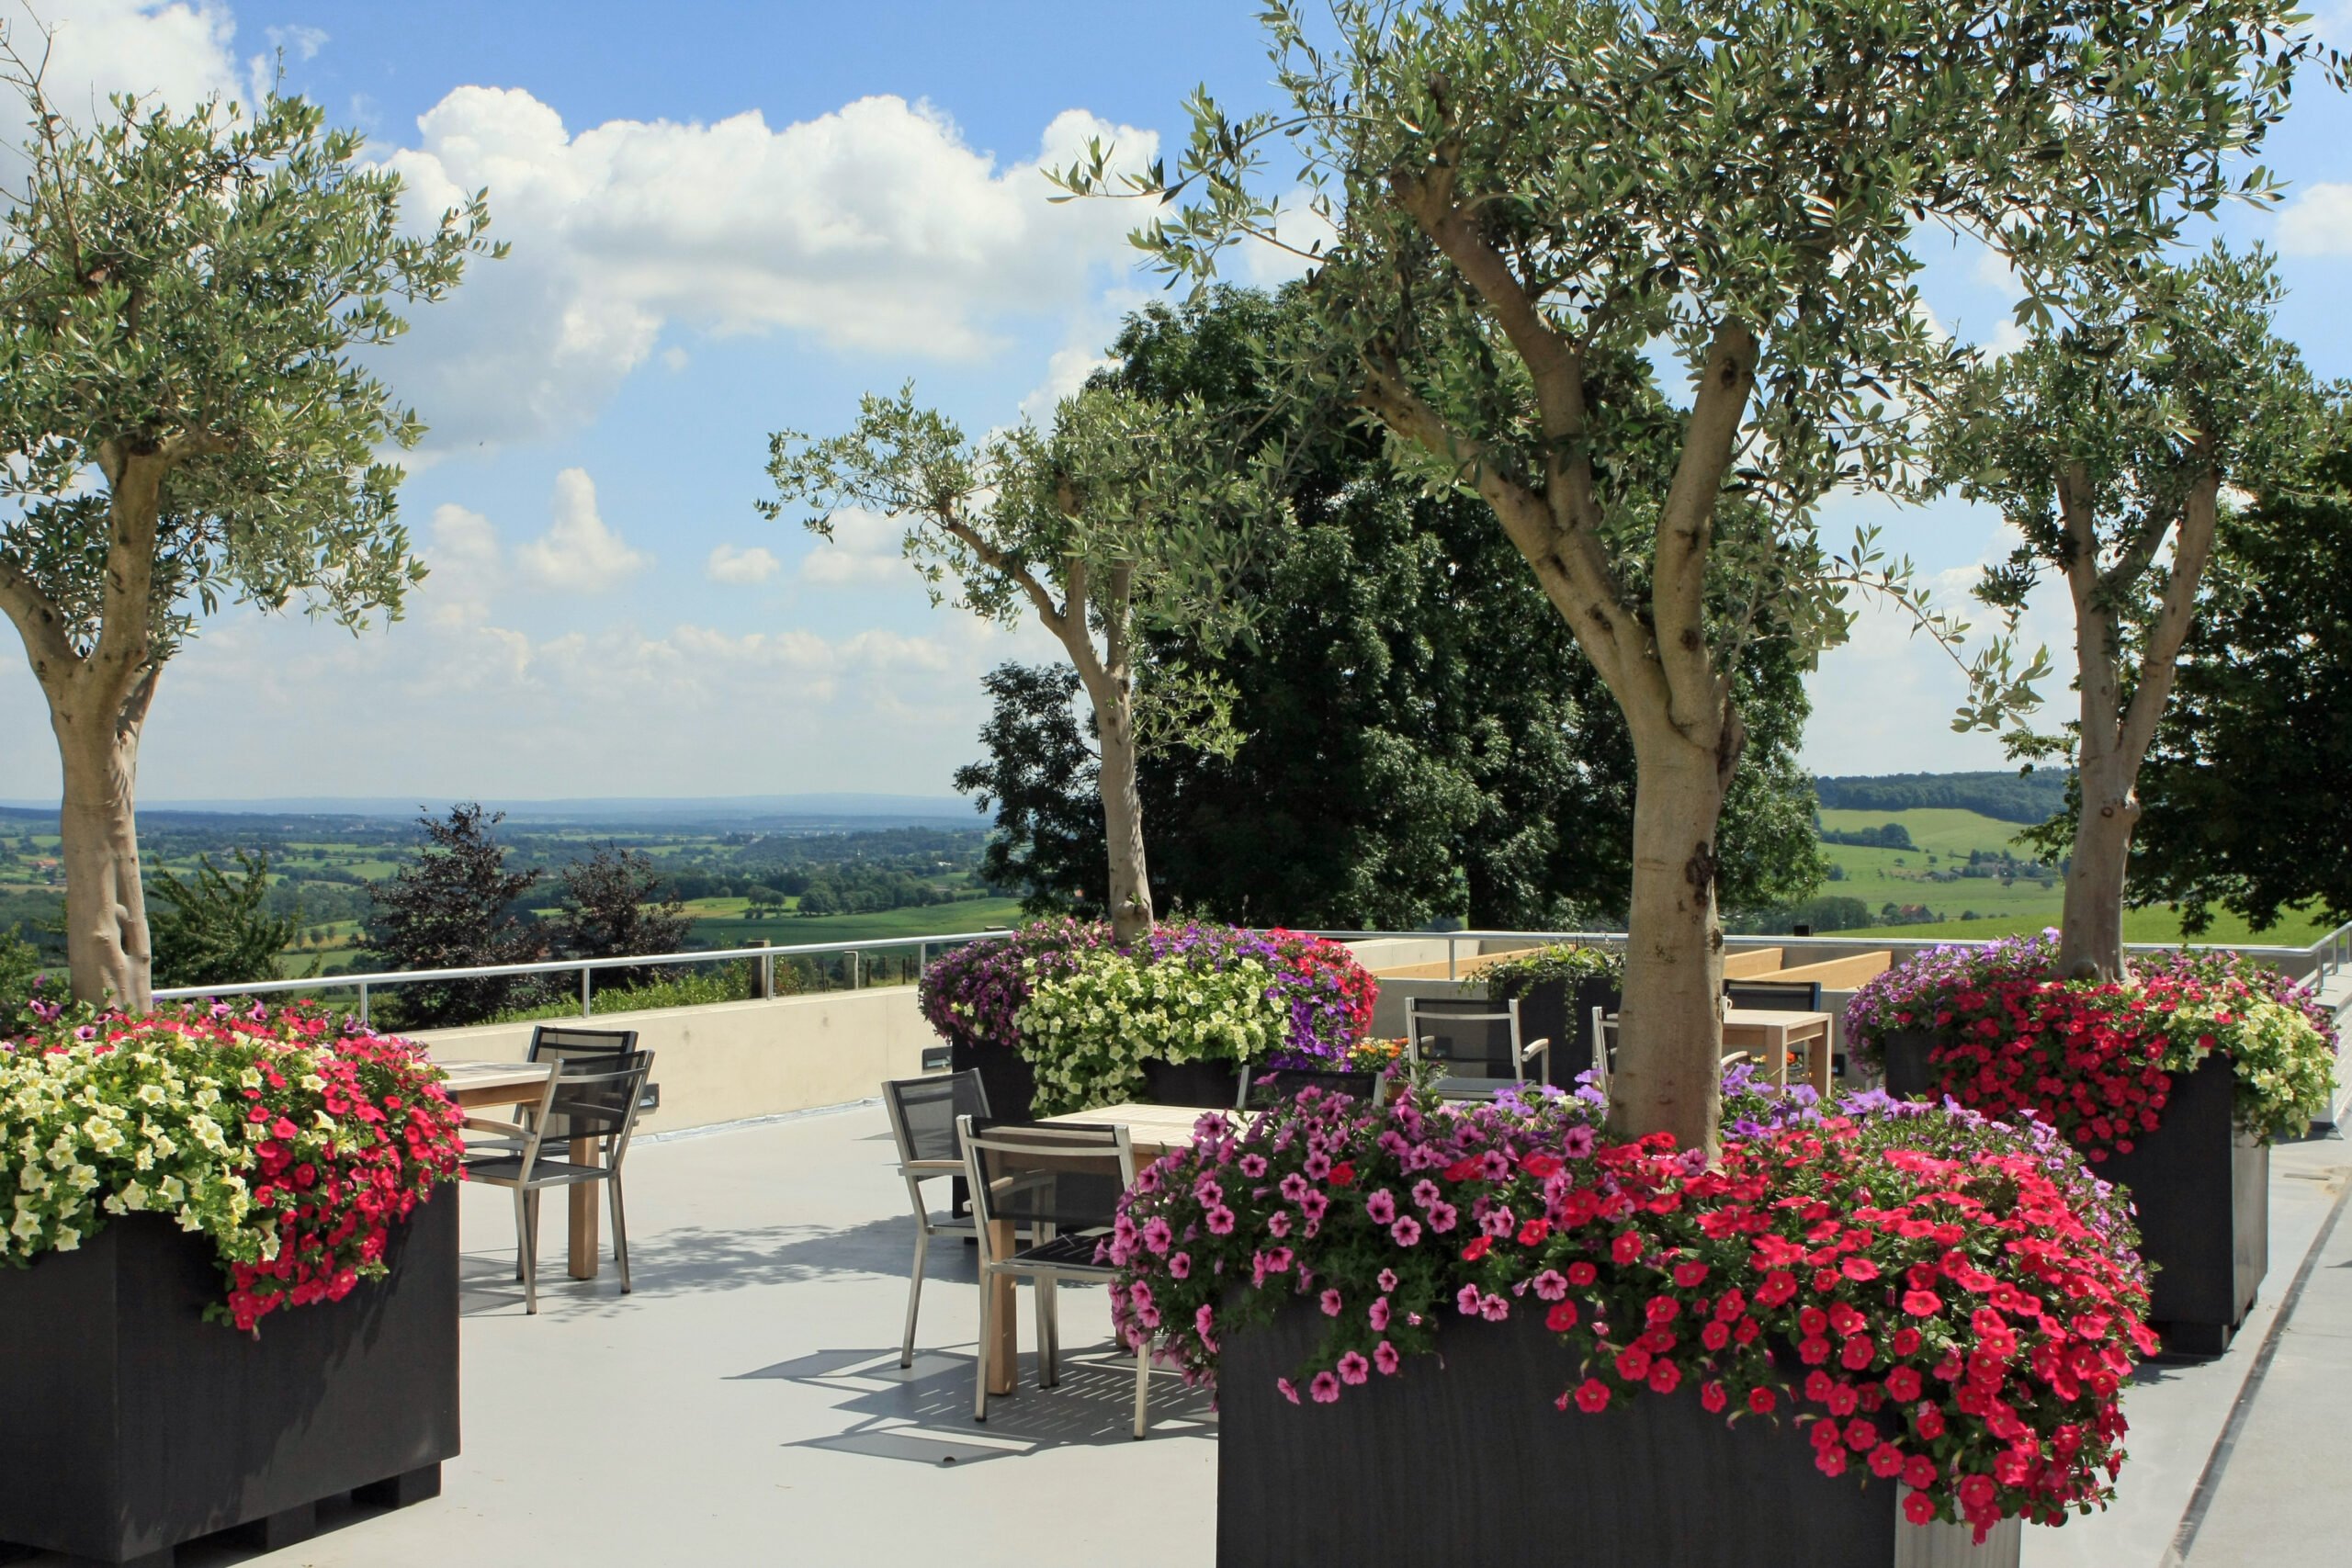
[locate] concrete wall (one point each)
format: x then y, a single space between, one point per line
730 1061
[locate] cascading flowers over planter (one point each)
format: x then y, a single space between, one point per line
293 1140
1086 1012
1941 1299
2095 1060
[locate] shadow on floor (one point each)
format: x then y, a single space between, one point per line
923 1413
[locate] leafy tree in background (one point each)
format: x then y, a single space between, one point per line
614 906
2106 441
185 302
216 932
19 969
1123 517
1420 738
2247 795
1526 197
452 906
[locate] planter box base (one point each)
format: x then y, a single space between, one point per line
1462 1458
130 1426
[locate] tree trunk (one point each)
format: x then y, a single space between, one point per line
107 944
2091 934
1670 1047
1131 914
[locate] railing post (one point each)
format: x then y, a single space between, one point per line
856 969
1448 959
586 1010
363 1001
923 958
762 973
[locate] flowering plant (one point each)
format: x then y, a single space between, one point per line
1941 1298
972 993
291 1140
2008 1038
1566 960
1373 1055
1089 1031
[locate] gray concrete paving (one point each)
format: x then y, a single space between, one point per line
745 1402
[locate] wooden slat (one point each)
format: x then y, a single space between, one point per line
1836 974
1469 964
1749 963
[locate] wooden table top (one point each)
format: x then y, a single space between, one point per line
1156 1128
494 1083
1785 1022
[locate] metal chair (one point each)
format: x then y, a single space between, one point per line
1064 1181
1604 1048
1472 1032
1780 996
591 1101
1276 1085
922 1119
561 1041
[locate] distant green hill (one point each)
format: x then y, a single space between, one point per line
2029 799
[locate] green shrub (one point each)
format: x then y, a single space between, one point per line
1566 962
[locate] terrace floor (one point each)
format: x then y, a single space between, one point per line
745 1402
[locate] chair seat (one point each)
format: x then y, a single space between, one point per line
1476 1087
1064 1254
507 1171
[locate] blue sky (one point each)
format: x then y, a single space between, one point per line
732 219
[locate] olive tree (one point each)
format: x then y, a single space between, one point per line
1127 514
1710 203
183 421
2107 442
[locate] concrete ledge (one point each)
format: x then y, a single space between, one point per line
738 1061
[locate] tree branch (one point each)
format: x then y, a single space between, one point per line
1685 523
36 621
2158 661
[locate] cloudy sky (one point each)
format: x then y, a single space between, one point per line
731 219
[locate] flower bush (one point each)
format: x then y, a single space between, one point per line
1566 962
293 1141
1089 1031
1942 1299
2008 1038
1053 987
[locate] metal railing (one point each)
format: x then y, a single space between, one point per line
2324 957
587 968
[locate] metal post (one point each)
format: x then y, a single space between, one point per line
363 1001
585 1009
1448 959
856 970
923 958
765 980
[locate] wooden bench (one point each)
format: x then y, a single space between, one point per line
1835 974
1752 963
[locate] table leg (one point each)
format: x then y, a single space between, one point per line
1776 1056
1003 1348
583 1213
1818 1057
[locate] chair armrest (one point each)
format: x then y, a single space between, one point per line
923 1167
485 1125
1539 1046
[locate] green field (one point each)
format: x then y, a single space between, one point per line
1926 876
797 931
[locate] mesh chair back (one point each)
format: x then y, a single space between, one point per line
924 1111
1470 1037
596 1099
1774 996
1279 1085
560 1042
1061 1174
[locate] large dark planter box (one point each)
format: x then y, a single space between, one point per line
2202 1190
1462 1458
1552 1011
1005 1073
129 1424
1209 1085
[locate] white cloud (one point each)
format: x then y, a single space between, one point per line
579 552
462 555
865 548
1065 374
729 564
1302 233
2318 222
176 52
874 227
301 42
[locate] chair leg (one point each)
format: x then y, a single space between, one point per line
914 1294
1048 1374
531 1201
1143 1380
620 1229
526 1222
980 1373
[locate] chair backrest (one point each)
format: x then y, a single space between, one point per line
562 1043
1774 996
1066 1174
924 1111
1474 1037
1278 1086
1604 1047
597 1101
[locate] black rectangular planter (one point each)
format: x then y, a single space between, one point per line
128 1424
1462 1458
2202 1192
1563 1015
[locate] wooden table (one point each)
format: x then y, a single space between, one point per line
1756 1029
504 1085
1152 1130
